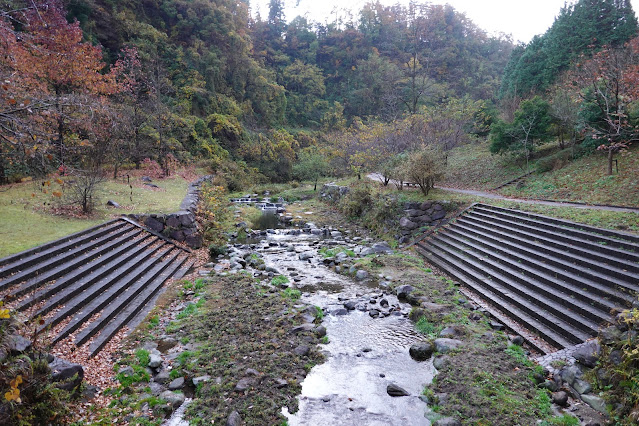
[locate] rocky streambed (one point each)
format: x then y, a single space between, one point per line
369 376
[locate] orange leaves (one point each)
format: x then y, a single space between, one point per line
13 395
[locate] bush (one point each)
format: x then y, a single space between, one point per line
358 199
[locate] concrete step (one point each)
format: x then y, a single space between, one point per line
91 301
613 255
559 279
562 228
475 283
86 275
53 266
531 262
586 258
615 235
532 297
129 310
26 259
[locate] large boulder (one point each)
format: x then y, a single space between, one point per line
421 351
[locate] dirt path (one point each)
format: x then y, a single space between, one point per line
495 196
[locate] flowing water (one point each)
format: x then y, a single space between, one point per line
364 354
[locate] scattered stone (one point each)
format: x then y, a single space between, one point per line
403 291
174 399
234 419
421 351
201 379
394 390
155 360
306 255
302 350
176 384
361 275
350 305
560 398
497 326
570 374
302 328
447 421
251 372
19 345
588 354
374 313
581 386
162 377
320 331
444 345
280 383
440 361
68 374
383 303
595 402
517 340
244 384
339 311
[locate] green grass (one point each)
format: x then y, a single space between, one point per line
27 220
279 280
517 352
292 293
585 180
425 327
332 252
563 420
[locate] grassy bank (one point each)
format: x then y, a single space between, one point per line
31 216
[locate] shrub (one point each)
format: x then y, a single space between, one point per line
358 199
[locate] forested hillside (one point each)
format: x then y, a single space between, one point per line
96 85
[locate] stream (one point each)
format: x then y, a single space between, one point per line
368 343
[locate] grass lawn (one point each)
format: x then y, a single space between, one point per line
585 180
30 217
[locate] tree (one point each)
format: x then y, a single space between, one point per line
607 85
311 165
530 125
424 166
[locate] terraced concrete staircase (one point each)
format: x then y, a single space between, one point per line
96 281
560 280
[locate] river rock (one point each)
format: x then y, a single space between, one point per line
307 255
443 345
361 275
244 383
560 398
69 374
320 331
595 402
403 291
302 350
421 351
234 419
302 328
447 421
588 354
350 305
174 399
366 251
176 383
394 390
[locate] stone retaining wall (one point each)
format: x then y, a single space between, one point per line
333 193
417 215
180 226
